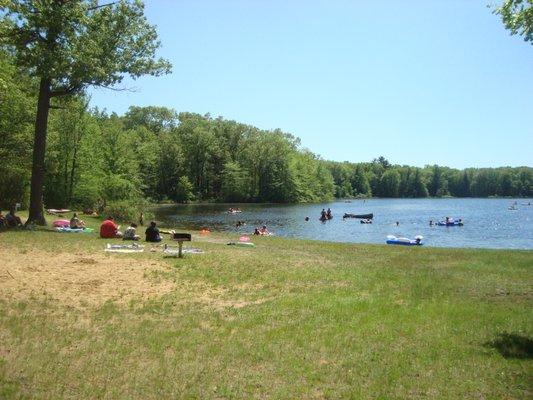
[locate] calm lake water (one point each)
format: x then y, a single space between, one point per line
488 223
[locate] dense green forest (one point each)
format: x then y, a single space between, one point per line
157 154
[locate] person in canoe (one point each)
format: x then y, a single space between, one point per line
323 215
328 214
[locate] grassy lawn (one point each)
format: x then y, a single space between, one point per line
286 319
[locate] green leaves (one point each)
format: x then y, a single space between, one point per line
517 16
81 43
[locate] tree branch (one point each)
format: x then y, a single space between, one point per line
101 6
64 91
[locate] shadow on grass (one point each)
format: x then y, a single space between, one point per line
511 345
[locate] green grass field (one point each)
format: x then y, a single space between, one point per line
288 319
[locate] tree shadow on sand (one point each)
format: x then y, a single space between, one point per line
511 345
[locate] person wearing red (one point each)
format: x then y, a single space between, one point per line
109 230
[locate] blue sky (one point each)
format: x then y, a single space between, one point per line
419 81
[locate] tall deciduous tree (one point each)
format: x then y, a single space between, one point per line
69 46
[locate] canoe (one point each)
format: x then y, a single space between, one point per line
449 223
402 241
360 216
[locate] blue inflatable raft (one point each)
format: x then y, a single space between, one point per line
402 241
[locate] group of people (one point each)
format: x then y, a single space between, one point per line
263 231
325 215
10 220
110 230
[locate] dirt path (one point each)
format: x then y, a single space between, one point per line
78 279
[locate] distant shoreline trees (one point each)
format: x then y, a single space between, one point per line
94 157
155 154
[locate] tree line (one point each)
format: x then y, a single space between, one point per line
51 52
157 154
381 179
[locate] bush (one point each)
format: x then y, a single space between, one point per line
127 211
14 188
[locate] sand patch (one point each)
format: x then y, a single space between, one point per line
78 279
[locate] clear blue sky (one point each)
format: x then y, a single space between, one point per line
418 81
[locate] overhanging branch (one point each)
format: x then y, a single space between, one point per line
101 6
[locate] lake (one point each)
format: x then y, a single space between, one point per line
488 223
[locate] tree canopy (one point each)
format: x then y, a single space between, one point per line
71 45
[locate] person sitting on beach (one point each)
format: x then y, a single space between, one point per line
76 223
3 222
110 230
152 233
256 231
264 230
12 220
130 233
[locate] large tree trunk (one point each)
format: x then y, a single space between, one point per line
72 174
39 147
